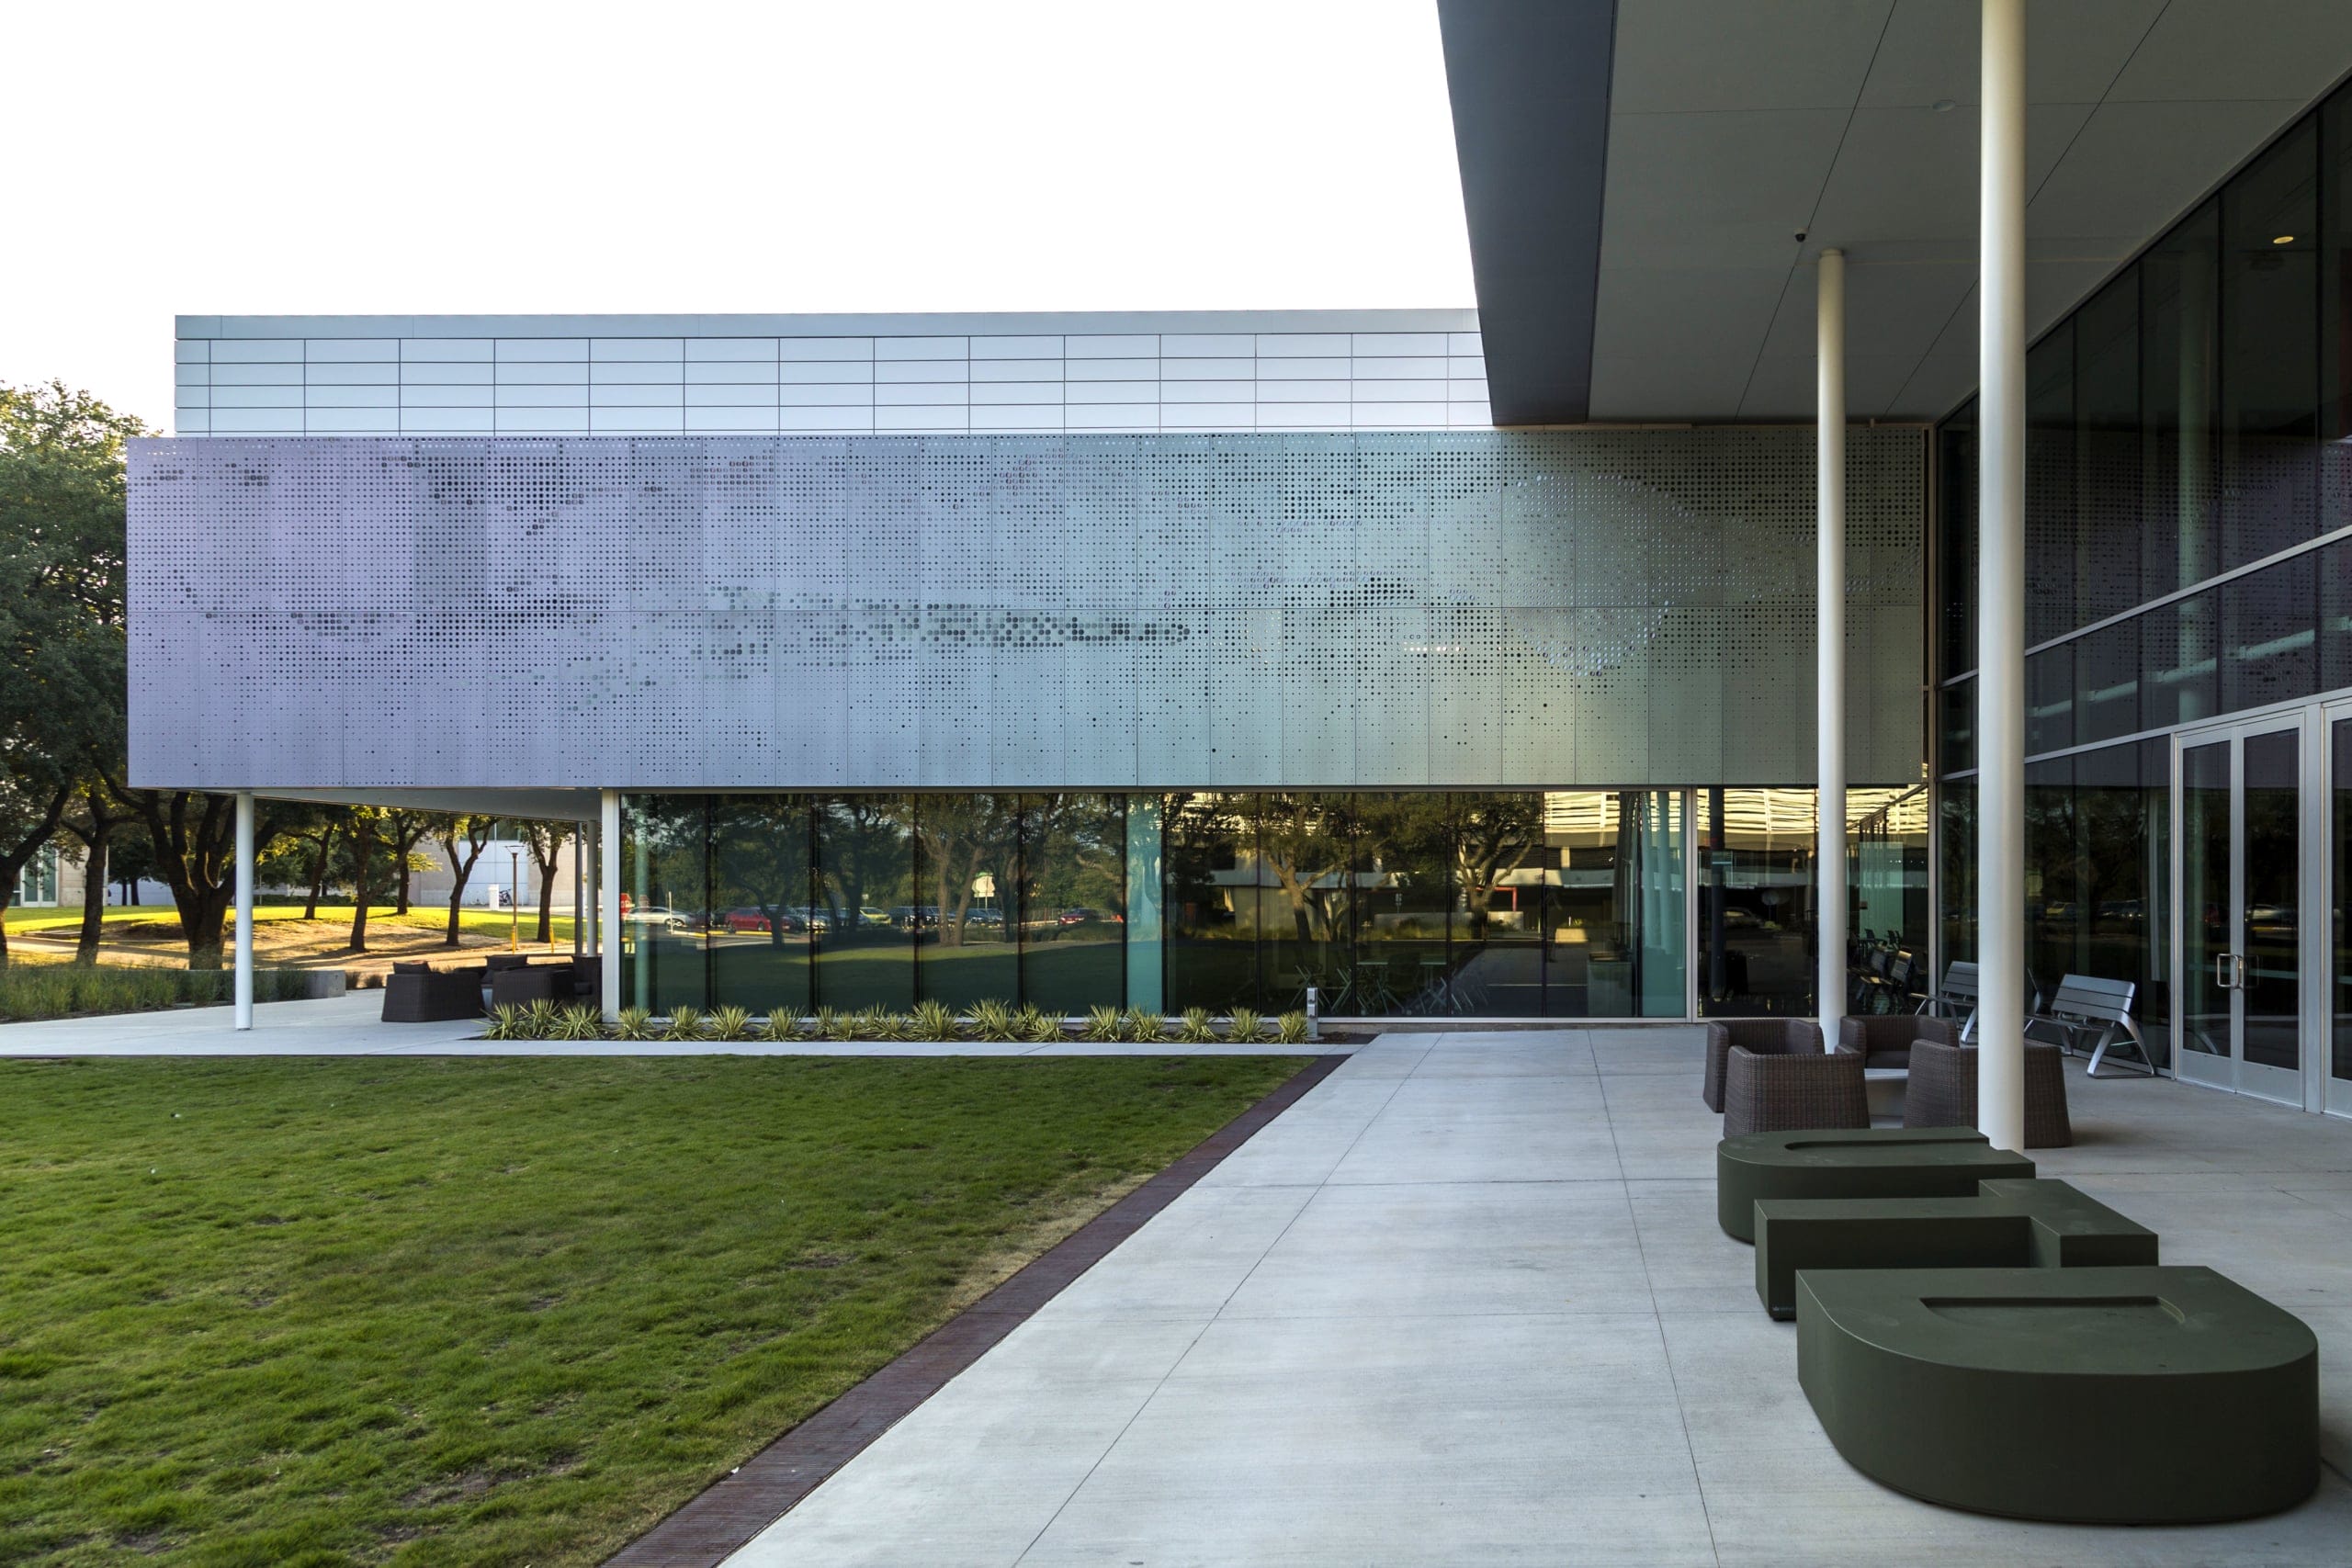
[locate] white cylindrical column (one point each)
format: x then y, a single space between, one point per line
2000 582
1830 663
244 980
608 902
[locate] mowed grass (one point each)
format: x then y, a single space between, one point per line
497 1310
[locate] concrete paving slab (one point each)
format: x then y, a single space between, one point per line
1467 1302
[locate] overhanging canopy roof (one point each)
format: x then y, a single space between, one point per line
1732 126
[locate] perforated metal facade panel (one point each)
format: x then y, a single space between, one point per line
1487 608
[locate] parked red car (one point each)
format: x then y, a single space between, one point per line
757 919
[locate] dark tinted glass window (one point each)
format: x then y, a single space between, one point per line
2336 616
2107 681
1956 550
2107 453
1959 727
2335 311
2269 464
2050 533
1956 839
2177 661
2179 312
2269 635
2050 699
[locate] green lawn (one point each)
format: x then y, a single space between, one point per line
443 1312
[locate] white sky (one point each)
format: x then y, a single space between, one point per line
797 155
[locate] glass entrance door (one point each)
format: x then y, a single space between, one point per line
2241 872
2336 903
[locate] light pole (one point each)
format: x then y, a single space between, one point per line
514 901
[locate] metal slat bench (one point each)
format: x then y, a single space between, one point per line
2086 1009
1956 998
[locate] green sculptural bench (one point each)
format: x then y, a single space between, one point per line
1882 1162
2008 1224
2099 1395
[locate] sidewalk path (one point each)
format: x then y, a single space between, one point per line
1466 1302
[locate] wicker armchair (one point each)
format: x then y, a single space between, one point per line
1943 1092
1788 1093
1885 1040
1763 1036
520 984
418 993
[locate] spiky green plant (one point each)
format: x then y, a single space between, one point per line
831 1024
991 1021
685 1023
783 1023
731 1023
579 1021
872 1023
633 1023
935 1020
1033 1023
1146 1025
1106 1023
1246 1028
1196 1028
1291 1029
539 1020
505 1022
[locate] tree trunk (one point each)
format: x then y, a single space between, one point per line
547 903
94 899
363 851
13 864
318 870
203 911
400 907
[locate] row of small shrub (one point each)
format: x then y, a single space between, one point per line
31 991
991 1020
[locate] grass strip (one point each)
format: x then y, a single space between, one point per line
302 1312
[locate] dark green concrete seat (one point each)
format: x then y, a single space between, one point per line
1875 1161
2008 1225
2147 1396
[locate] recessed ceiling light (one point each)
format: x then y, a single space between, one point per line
1943 106
2284 240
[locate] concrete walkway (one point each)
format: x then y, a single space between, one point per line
352 1025
1466 1302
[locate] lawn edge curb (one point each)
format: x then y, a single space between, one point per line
726 1516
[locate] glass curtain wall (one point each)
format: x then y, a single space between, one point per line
1072 905
2339 915
2192 418
1565 904
1886 883
2188 418
1616 885
1757 920
2099 852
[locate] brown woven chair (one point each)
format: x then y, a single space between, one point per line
1942 1091
418 993
1885 1040
1788 1093
520 984
1763 1036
